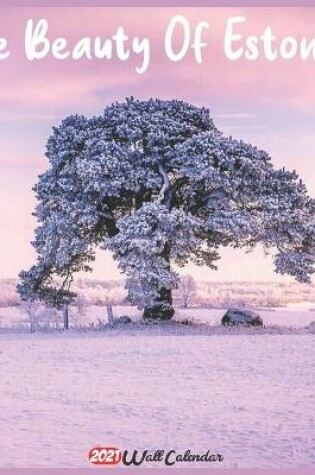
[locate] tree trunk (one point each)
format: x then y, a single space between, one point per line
65 313
162 309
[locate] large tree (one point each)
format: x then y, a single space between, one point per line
158 184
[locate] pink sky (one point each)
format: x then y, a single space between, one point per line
271 105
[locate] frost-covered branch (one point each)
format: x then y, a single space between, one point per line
166 185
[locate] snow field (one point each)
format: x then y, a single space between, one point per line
248 397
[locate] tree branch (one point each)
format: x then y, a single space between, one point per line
166 184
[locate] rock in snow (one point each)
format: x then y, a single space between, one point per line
123 319
235 316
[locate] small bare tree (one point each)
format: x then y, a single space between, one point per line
80 303
187 289
31 308
39 316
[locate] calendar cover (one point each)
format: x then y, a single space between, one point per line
157 246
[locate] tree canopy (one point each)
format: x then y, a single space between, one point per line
156 183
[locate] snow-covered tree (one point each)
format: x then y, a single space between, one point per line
156 183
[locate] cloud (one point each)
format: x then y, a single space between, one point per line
236 116
49 87
270 105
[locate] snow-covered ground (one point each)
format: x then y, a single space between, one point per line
291 316
245 394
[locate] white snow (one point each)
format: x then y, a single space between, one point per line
291 316
247 396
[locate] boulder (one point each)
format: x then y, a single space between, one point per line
123 319
236 316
